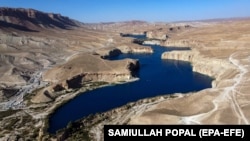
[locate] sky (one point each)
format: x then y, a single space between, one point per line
93 11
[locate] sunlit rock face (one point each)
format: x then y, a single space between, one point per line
201 64
33 19
156 35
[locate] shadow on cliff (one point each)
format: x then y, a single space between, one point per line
15 26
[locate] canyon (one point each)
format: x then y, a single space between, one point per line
218 49
47 59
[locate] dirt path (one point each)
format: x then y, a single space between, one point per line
239 80
228 95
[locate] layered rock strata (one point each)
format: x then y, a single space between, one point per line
133 48
182 43
152 42
211 67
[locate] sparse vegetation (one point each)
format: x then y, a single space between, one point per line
74 131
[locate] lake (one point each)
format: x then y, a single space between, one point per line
156 77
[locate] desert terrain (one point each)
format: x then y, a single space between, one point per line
47 59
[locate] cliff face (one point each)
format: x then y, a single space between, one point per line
30 19
152 42
180 55
211 67
181 43
133 48
111 52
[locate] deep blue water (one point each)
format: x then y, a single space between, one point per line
157 77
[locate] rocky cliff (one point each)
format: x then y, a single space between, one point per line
115 51
181 43
211 67
134 48
152 42
31 20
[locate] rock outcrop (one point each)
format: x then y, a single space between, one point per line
156 35
133 48
111 52
180 55
152 42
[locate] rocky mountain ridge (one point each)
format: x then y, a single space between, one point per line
33 20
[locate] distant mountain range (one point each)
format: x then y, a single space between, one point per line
34 20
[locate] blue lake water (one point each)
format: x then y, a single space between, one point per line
157 77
